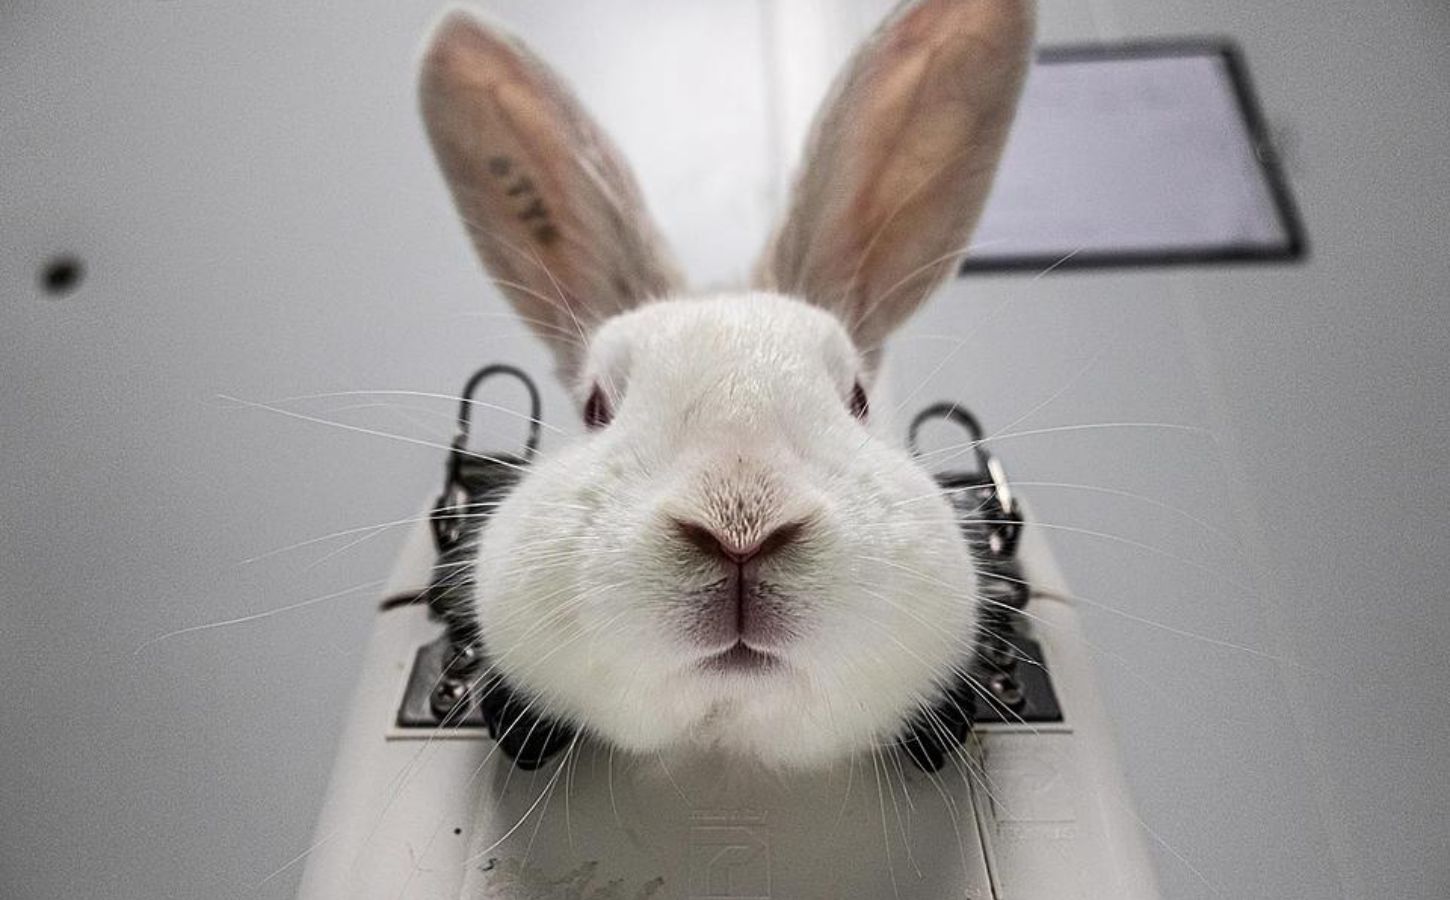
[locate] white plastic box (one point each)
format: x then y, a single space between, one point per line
1036 813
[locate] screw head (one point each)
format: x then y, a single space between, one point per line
1006 690
446 698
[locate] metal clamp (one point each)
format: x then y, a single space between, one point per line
1003 512
996 686
472 473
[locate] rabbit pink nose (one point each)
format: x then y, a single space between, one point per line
714 543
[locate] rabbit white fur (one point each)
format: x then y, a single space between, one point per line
738 417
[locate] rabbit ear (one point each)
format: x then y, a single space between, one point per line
551 207
900 161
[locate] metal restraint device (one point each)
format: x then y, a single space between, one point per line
452 683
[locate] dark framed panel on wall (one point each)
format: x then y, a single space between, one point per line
1141 154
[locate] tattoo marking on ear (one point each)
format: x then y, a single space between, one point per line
534 213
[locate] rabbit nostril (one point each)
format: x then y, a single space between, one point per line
783 536
711 542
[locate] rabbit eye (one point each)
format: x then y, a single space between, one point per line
859 406
596 409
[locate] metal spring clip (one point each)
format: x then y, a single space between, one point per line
995 686
467 688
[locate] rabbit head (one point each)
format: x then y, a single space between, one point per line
732 555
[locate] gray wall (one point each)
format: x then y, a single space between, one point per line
261 220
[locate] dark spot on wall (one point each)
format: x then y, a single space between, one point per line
62 275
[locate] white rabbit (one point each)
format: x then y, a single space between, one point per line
732 557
